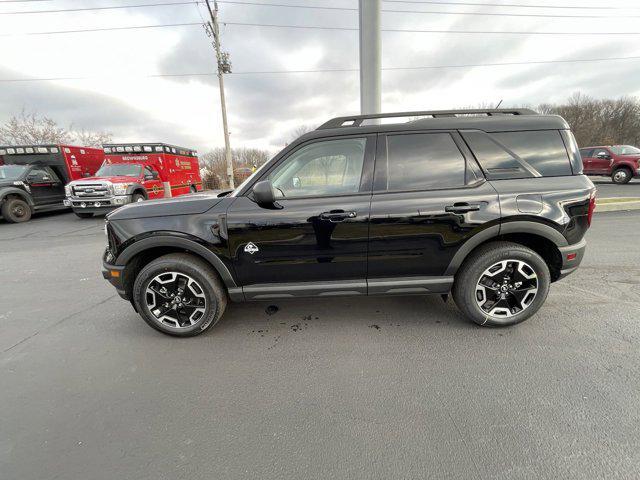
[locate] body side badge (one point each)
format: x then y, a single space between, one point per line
251 248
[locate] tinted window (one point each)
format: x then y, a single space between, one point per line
586 152
495 160
331 167
543 150
423 161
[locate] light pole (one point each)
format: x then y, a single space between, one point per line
370 56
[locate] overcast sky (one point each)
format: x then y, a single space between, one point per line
264 109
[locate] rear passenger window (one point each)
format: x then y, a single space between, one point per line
586 152
422 161
543 150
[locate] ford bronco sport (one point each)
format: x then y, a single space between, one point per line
489 205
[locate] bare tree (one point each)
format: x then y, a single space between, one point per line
29 128
245 160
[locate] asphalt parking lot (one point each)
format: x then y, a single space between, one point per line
348 388
608 189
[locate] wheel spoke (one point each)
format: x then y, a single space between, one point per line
176 300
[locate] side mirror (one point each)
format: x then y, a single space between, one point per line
603 155
155 175
263 193
86 174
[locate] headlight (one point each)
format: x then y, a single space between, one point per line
120 188
67 190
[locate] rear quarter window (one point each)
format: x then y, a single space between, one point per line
520 154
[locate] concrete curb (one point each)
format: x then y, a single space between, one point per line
615 205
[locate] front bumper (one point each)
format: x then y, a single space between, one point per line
114 274
571 257
96 205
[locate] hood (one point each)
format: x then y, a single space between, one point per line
184 205
122 179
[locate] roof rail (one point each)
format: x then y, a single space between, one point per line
356 120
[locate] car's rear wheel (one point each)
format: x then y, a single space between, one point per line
16 210
137 197
84 214
179 294
501 284
621 176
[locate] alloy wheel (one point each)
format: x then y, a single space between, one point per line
506 288
175 299
620 176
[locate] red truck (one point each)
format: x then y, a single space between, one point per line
32 177
620 162
133 173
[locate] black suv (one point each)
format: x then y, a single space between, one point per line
490 205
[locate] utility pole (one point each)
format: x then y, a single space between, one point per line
370 56
224 66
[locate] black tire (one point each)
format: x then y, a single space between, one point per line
138 197
205 278
621 176
193 189
16 210
473 271
84 214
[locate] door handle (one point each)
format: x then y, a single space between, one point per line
462 207
337 216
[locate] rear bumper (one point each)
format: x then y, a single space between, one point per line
571 257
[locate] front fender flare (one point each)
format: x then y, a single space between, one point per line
179 242
4 192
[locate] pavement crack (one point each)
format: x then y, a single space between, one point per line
63 319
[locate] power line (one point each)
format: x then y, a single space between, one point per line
112 7
430 12
337 70
516 5
315 27
315 7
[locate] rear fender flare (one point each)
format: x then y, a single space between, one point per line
495 231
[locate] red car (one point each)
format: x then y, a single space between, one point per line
620 162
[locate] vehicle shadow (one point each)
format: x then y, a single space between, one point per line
375 313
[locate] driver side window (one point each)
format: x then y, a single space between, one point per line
330 167
42 175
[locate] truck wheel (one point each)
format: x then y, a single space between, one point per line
84 214
137 197
16 210
501 284
193 189
179 294
621 176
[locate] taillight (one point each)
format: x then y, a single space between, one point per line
592 207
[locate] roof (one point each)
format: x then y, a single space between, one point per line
146 147
488 120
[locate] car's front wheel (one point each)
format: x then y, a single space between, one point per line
179 294
501 284
16 210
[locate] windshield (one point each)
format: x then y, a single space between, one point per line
119 170
12 172
625 150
